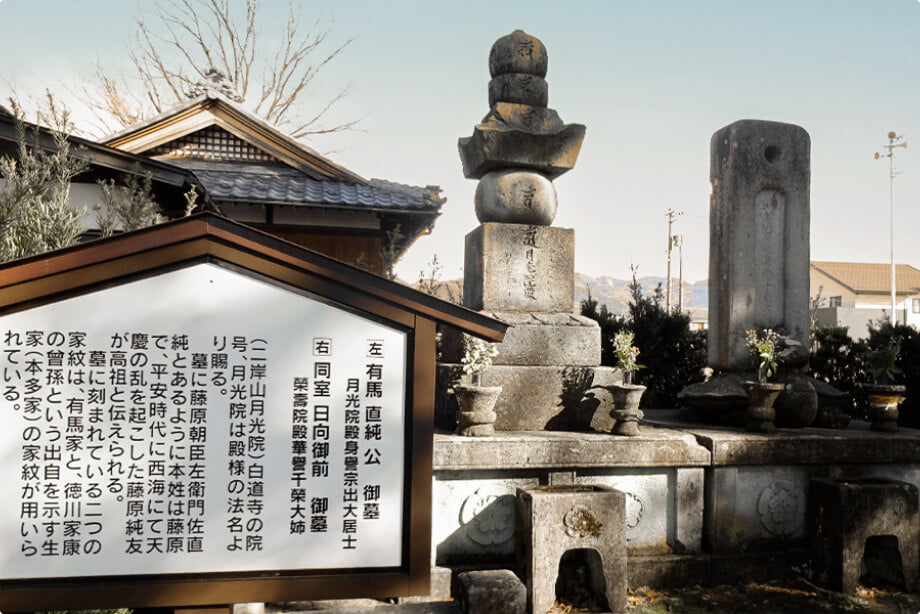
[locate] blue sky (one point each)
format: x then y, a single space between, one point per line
651 80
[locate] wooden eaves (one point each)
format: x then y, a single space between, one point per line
105 162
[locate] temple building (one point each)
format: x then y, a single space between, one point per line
249 171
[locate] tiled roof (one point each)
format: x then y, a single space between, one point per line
213 108
867 277
283 185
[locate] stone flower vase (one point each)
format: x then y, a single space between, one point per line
476 416
883 406
761 396
626 410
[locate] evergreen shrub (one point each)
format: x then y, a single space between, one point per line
673 355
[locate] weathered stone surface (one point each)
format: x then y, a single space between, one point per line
494 147
248 608
722 400
655 447
520 132
664 509
534 398
518 52
812 446
474 509
519 88
554 521
759 237
496 591
844 513
475 415
537 339
831 404
797 405
473 516
548 339
756 508
513 196
507 116
518 267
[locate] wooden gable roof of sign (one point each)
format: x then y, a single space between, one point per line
206 236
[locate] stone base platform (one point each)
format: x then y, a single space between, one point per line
703 503
537 339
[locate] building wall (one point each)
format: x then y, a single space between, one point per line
354 248
855 319
827 288
855 311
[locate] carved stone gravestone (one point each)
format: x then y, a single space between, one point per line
519 268
758 267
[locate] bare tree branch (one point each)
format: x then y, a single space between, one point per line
180 40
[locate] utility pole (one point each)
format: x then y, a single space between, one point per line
893 143
680 273
671 215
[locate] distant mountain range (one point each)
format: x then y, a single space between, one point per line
606 290
615 292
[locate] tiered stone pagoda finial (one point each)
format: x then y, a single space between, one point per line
521 145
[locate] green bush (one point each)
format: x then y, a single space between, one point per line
672 354
844 363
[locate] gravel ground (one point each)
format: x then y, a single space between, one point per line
771 598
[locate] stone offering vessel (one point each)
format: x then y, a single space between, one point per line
521 145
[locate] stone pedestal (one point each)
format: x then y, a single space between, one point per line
496 591
554 521
844 513
547 365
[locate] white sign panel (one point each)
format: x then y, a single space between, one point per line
199 421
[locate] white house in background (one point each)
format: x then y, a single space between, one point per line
699 317
853 294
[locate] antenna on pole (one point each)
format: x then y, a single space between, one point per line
893 143
672 242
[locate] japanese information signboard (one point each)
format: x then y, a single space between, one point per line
199 420
199 413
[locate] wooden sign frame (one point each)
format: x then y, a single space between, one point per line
209 238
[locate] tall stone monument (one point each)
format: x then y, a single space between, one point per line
519 268
758 265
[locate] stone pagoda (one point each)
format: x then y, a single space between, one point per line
518 267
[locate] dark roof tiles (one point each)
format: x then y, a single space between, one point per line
294 188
